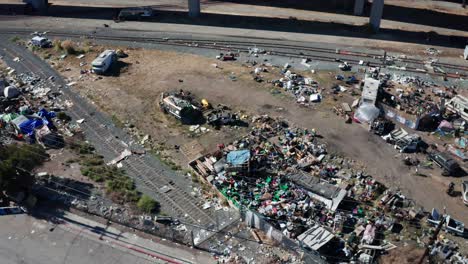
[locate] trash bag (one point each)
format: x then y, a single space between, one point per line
366 113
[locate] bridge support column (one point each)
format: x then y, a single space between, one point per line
194 8
39 5
359 7
376 14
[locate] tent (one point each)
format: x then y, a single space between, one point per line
11 92
366 113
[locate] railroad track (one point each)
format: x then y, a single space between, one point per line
280 49
148 173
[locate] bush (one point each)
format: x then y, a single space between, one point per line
146 204
92 161
57 44
16 163
68 46
14 39
86 47
63 116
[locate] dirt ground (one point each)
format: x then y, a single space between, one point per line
133 97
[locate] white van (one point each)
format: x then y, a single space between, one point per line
41 42
103 62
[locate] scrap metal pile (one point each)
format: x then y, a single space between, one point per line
286 175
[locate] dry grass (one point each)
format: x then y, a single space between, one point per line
68 46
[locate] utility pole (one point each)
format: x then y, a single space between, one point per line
433 239
384 62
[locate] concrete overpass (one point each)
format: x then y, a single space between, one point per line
194 7
374 19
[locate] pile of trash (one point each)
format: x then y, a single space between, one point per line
306 90
23 110
286 175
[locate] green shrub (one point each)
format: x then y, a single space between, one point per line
15 39
63 116
146 204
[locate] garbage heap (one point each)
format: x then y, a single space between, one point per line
28 110
306 90
286 175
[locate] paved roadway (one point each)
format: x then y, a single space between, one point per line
149 173
75 240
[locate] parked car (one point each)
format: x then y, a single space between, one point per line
449 166
137 13
102 63
41 42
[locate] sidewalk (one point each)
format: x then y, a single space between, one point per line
166 252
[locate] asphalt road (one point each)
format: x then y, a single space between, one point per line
72 239
149 173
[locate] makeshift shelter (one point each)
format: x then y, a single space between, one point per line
181 109
11 92
319 190
238 161
366 113
445 127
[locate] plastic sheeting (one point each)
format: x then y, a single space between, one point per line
28 126
366 113
238 157
11 92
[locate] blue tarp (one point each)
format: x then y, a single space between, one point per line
238 157
44 114
28 126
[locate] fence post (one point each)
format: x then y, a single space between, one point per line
192 239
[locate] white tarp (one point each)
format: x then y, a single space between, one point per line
11 92
366 113
315 237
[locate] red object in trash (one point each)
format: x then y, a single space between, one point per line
228 57
19 137
221 146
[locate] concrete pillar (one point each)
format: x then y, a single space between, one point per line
359 7
376 14
39 5
194 8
